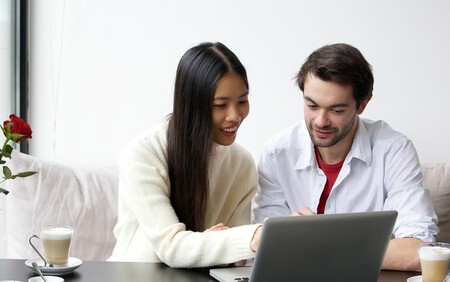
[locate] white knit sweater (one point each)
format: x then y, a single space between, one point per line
148 228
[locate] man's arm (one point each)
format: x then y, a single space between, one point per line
402 254
416 221
270 200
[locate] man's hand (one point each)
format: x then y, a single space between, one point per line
304 211
402 254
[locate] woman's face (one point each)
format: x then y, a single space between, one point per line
230 107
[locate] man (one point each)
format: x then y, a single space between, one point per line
336 162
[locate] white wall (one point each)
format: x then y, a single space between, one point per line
6 59
6 89
103 70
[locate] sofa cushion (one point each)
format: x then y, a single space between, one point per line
436 178
83 198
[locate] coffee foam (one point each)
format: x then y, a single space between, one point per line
56 233
434 253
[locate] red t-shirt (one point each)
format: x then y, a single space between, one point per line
331 172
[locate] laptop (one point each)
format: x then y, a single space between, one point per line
328 247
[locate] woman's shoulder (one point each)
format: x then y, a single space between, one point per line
239 149
237 155
150 142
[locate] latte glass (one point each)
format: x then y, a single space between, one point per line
56 240
434 261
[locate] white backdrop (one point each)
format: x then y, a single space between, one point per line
101 71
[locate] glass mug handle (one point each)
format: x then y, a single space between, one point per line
36 250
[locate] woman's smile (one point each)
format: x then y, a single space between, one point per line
229 131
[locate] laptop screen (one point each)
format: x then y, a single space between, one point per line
331 247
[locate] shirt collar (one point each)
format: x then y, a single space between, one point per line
361 148
306 156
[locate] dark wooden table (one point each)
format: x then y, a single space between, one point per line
101 271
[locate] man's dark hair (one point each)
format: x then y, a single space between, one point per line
340 63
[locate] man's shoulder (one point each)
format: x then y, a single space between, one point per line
291 137
380 131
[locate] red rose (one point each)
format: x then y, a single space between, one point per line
16 128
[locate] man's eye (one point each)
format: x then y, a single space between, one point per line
338 111
312 106
243 102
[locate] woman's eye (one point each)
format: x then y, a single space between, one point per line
219 105
243 102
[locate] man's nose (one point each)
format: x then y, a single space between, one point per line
322 119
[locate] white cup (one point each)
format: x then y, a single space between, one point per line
434 261
47 278
56 240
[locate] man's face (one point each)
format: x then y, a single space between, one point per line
330 111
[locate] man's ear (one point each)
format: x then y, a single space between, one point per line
363 105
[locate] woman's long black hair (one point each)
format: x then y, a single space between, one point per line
190 137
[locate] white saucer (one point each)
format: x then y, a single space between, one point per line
417 278
72 264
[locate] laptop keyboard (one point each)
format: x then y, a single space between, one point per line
242 279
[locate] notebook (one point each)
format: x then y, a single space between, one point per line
330 247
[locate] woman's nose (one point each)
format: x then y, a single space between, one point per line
233 114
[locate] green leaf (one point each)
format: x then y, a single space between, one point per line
4 191
2 162
26 173
8 150
7 173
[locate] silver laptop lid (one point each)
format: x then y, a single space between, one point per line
333 247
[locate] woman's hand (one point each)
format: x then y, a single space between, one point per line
255 240
217 227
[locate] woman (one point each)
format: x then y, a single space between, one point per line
185 188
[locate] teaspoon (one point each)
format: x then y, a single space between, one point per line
38 270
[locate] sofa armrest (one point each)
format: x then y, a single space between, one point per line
83 198
436 178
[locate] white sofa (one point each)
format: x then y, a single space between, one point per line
436 178
87 200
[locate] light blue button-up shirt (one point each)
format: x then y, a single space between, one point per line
381 172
